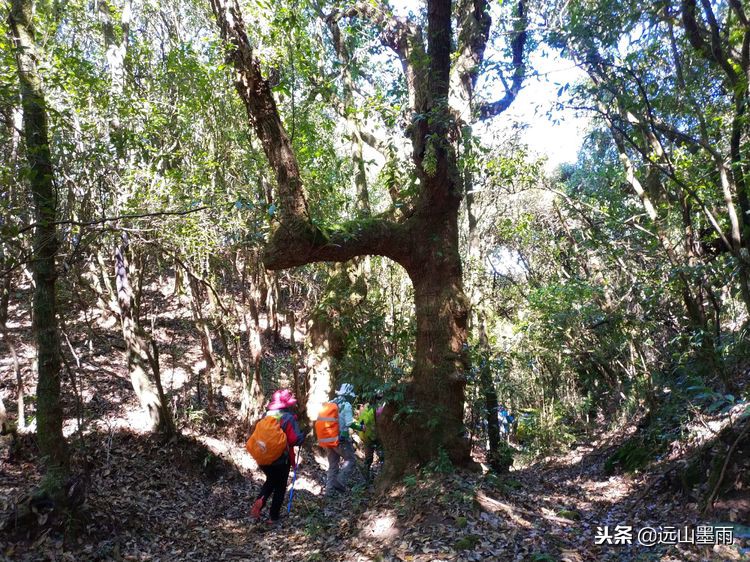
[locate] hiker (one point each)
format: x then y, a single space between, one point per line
277 472
367 420
336 479
506 420
511 425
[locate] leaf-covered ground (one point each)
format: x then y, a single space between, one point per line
189 499
182 501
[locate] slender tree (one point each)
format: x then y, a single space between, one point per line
41 180
142 352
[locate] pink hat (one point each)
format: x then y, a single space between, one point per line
282 399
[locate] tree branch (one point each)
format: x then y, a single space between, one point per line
695 35
473 32
736 5
403 37
371 236
492 109
120 217
296 240
264 117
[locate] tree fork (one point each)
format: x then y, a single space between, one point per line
426 244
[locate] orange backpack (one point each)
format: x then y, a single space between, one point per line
327 425
268 441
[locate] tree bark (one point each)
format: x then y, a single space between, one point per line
489 394
435 390
52 443
325 350
141 358
251 405
272 306
207 348
300 390
5 296
21 398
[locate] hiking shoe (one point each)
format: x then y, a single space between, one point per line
272 523
255 510
339 486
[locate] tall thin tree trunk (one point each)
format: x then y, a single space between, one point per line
5 337
325 350
251 404
207 348
489 394
140 351
21 398
299 388
52 443
5 297
272 305
3 418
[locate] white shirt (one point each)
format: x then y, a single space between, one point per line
346 416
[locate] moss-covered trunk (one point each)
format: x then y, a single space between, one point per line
433 426
49 409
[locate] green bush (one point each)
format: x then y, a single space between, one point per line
631 456
503 457
543 433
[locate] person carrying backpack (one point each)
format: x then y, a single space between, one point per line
277 471
367 420
336 479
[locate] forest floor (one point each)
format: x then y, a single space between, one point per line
189 498
150 500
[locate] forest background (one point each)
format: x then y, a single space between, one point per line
203 201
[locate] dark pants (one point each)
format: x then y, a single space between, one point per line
276 479
372 447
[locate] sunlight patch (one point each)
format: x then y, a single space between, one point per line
492 505
382 526
227 450
138 421
308 485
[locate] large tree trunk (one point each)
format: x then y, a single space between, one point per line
425 242
436 387
49 410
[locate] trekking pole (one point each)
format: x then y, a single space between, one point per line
294 479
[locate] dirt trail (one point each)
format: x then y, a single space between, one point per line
182 500
189 499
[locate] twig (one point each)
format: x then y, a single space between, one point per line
715 491
120 217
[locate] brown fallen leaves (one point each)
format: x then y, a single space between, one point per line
179 501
